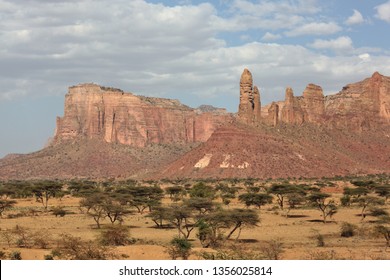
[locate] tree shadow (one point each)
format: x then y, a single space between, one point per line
321 221
248 240
297 216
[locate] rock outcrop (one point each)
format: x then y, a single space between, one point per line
96 112
291 112
313 104
249 109
360 106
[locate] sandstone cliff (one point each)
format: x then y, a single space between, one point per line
96 112
360 106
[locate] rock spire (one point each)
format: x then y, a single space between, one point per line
250 106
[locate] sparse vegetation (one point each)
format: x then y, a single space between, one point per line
220 218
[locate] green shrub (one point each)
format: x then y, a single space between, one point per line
347 230
179 248
15 255
48 257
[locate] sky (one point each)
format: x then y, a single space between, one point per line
194 51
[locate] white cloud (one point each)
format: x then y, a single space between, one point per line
365 57
169 51
270 37
383 11
315 28
355 18
343 43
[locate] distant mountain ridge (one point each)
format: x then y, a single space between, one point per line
107 132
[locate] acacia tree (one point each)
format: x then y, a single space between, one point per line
366 201
182 218
176 193
95 205
285 191
325 205
383 191
211 227
255 199
45 190
6 204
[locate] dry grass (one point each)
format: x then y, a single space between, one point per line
296 233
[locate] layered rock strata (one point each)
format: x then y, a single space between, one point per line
96 112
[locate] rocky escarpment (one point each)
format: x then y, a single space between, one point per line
359 106
96 112
106 132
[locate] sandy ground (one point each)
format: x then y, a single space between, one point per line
296 233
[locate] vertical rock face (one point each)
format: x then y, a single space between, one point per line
256 105
291 112
114 116
249 110
361 106
313 103
273 114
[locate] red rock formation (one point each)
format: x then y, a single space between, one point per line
249 109
273 114
291 112
256 105
92 111
313 104
360 106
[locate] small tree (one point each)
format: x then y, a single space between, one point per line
182 218
6 204
282 191
95 205
45 190
325 205
366 201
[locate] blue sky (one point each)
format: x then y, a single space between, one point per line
193 51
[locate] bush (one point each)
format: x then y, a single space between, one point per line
15 255
320 241
48 257
347 230
2 255
73 248
115 235
179 248
59 211
272 249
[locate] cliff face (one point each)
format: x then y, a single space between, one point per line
96 112
361 106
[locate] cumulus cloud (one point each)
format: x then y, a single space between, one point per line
383 11
315 28
355 18
343 43
168 51
268 36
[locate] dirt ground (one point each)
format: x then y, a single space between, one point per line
296 233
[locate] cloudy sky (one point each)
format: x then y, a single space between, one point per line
193 51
